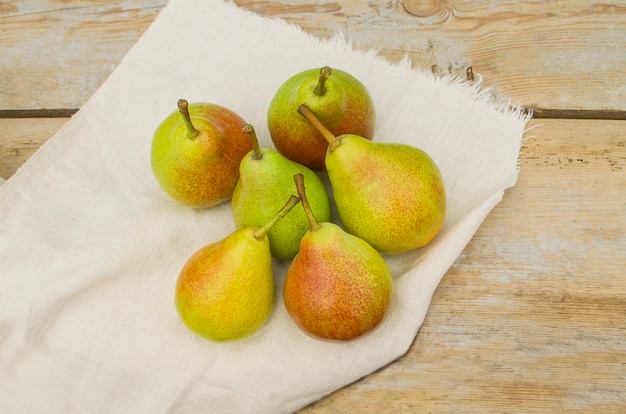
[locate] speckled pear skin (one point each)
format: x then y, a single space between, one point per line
338 287
346 107
203 171
390 195
222 297
263 186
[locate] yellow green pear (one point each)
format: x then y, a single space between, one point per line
225 290
338 287
265 180
390 195
196 151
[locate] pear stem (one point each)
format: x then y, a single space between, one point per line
260 233
299 179
320 88
256 154
333 142
183 108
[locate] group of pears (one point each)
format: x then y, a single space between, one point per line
390 198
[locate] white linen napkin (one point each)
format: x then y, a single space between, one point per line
90 246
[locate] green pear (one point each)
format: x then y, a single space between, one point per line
196 152
265 179
225 290
390 195
339 99
338 287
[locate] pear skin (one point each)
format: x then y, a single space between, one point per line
343 103
337 287
390 195
221 297
196 159
225 290
266 179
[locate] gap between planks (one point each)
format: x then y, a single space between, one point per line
538 113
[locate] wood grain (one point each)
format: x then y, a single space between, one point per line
525 50
56 54
21 138
532 316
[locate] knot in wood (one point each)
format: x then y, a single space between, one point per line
424 8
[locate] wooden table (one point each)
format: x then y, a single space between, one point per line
532 316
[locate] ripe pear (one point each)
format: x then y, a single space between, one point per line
337 287
225 290
390 195
265 179
196 152
339 99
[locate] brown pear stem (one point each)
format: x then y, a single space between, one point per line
320 88
333 142
183 108
259 234
299 179
249 129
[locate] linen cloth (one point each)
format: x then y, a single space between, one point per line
91 247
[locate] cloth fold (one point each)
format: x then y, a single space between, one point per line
90 246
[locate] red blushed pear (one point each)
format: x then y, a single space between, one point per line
390 195
225 291
337 287
338 98
196 152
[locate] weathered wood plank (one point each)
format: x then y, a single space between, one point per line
542 54
56 54
562 55
533 313
20 138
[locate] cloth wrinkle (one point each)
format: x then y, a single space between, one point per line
90 246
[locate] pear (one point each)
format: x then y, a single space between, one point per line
339 99
265 179
390 195
196 152
225 290
338 287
